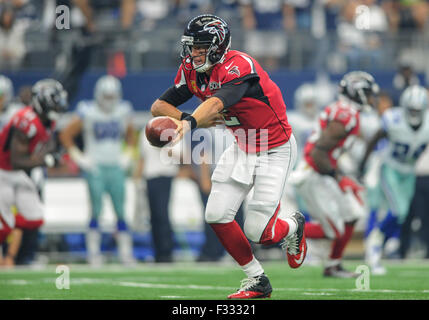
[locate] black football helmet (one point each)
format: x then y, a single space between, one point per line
359 87
207 31
49 99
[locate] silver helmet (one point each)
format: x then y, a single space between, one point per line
414 100
108 92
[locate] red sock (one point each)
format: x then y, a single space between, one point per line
234 241
314 231
281 230
340 243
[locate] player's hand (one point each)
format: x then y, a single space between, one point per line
183 127
53 159
347 184
80 159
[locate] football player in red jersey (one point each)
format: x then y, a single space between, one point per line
235 90
25 143
332 198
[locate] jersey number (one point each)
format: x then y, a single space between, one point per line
106 130
231 121
401 150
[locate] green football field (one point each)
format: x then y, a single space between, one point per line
191 281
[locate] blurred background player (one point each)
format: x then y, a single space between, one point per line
6 97
332 198
407 131
26 142
105 123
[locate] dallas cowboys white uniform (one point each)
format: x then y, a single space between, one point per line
399 158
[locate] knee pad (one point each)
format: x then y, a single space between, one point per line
217 210
259 214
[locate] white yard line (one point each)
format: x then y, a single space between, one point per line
132 284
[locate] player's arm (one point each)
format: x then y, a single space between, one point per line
67 136
20 157
329 138
167 104
380 134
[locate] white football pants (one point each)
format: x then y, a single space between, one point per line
237 173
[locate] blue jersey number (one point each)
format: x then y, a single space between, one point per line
401 150
106 130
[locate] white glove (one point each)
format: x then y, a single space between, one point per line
81 160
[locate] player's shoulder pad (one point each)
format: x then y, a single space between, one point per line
181 76
84 107
26 122
125 108
348 116
236 66
391 117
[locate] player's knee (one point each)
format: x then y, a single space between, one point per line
217 211
259 214
252 230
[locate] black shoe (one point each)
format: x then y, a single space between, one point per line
252 288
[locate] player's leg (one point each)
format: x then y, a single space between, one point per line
158 192
115 183
399 190
95 184
226 196
7 200
263 224
323 200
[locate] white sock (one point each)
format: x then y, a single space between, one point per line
93 242
253 268
292 226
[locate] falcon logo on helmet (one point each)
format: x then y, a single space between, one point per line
216 27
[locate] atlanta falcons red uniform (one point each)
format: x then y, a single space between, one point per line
261 108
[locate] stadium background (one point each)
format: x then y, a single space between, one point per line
145 56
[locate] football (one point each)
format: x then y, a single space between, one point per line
160 131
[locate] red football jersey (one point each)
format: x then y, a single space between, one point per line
259 119
338 111
27 121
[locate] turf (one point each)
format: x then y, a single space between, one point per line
191 281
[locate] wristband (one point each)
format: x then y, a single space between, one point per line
192 121
184 115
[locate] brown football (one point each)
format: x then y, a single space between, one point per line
160 131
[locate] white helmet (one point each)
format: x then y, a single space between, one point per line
108 92
414 100
6 90
306 100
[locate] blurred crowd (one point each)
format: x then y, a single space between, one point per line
332 35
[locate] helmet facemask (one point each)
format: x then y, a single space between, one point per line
414 116
108 93
187 58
